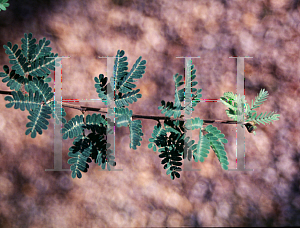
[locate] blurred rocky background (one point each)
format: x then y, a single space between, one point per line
142 195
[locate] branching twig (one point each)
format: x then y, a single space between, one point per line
157 118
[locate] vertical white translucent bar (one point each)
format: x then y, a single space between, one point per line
187 116
111 105
240 150
58 109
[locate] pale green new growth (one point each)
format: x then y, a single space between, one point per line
232 100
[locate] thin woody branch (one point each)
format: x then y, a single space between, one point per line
157 118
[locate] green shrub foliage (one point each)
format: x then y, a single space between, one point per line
31 66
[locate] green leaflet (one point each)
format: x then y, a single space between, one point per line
3 4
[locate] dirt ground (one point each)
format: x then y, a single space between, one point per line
142 195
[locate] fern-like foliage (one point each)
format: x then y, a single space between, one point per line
213 139
3 4
216 141
171 159
122 115
38 120
264 119
159 137
176 144
106 159
120 68
175 110
203 147
195 101
193 124
80 156
260 99
102 156
190 83
41 87
14 81
95 122
20 101
130 97
124 84
91 147
96 147
100 152
135 133
124 79
176 147
30 68
28 46
38 113
19 61
73 128
32 59
200 150
125 95
173 148
170 109
101 87
231 101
